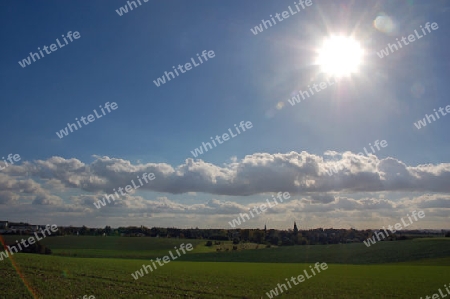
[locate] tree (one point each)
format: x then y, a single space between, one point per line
84 230
245 235
108 230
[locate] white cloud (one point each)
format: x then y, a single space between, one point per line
254 174
304 176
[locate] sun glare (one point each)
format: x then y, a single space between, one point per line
340 56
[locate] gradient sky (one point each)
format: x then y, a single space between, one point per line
250 78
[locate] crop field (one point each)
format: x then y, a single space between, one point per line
118 247
375 274
146 248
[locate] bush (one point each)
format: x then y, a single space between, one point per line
209 244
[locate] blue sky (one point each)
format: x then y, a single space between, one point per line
250 78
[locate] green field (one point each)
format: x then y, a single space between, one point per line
406 269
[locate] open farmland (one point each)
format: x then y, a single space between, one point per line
60 277
146 248
248 277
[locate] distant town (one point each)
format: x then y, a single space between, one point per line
266 236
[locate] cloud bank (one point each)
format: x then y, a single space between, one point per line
259 173
362 189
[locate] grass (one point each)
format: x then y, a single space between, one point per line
405 269
122 247
354 253
60 277
112 247
148 248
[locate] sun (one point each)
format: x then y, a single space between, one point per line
340 56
